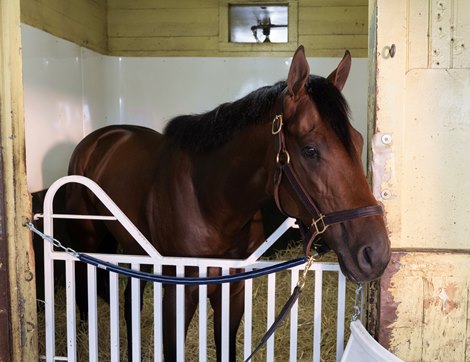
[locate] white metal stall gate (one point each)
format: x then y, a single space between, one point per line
153 258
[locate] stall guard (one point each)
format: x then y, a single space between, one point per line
153 258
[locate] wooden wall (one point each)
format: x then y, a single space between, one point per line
195 27
421 173
18 322
80 21
425 304
327 27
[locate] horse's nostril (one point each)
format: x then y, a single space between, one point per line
365 259
367 255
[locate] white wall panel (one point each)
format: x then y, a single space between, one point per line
70 91
153 90
95 90
52 76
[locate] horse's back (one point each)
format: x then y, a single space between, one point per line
122 161
113 146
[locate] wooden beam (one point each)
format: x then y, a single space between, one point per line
5 341
80 21
163 22
162 4
16 203
190 27
330 20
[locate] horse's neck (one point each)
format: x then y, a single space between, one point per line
235 178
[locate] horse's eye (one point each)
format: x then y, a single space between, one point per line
310 152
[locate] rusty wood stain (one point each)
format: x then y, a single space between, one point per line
425 304
388 306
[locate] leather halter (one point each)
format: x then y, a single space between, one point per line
320 221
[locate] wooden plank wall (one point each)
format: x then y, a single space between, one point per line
165 27
80 21
193 27
330 26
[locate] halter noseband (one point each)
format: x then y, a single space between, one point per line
320 221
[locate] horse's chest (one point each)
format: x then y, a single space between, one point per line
196 237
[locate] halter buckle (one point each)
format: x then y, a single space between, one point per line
283 157
319 225
277 124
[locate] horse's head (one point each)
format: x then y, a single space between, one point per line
319 154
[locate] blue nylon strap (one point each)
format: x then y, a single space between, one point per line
168 279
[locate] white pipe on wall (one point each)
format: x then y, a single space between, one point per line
71 91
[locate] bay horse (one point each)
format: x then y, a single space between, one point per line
196 190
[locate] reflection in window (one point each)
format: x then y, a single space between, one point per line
258 23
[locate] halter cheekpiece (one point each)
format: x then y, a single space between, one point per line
320 222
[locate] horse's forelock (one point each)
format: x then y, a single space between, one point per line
333 108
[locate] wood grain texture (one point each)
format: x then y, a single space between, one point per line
198 28
162 4
430 302
80 21
16 203
195 27
163 22
328 20
335 2
335 45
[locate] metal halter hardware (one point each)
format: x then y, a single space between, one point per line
322 228
282 155
320 222
277 124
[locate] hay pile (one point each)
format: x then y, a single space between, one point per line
305 320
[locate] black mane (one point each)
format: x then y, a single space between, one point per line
207 131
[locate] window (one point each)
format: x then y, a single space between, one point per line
258 23
258 27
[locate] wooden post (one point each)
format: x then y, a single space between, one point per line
15 240
421 175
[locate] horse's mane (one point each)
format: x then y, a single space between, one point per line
207 131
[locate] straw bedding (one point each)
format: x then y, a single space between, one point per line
305 320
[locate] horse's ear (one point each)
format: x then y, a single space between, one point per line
339 76
299 72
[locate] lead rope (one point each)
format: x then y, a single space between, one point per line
166 279
286 309
357 311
